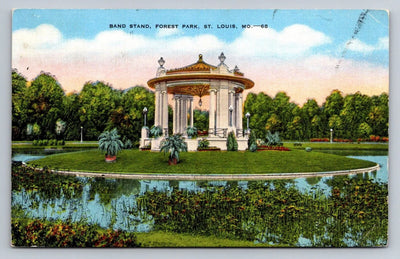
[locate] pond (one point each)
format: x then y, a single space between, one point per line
320 211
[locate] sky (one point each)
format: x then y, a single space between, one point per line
305 53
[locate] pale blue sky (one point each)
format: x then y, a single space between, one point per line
338 25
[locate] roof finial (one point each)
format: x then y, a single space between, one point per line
200 58
236 69
222 57
161 62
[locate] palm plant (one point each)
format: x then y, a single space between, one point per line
110 143
156 131
191 132
174 145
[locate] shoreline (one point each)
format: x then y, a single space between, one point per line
226 177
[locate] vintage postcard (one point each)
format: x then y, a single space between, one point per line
200 128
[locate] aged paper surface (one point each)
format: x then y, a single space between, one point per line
306 90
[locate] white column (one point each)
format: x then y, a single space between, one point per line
165 111
217 109
223 120
231 103
178 115
174 115
184 115
191 112
157 108
240 111
211 113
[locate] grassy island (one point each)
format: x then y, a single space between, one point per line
265 162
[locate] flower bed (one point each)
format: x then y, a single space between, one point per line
277 148
28 233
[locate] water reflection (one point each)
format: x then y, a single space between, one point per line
113 203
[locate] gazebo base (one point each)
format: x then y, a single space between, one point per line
221 143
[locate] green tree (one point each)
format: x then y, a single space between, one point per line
71 117
97 101
19 111
200 119
45 103
128 117
355 111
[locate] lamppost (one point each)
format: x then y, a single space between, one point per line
331 135
81 134
248 119
145 114
230 115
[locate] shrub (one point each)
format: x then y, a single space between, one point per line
60 143
174 145
272 139
231 142
128 144
156 131
191 132
35 142
40 143
26 233
203 144
110 143
253 147
252 140
45 142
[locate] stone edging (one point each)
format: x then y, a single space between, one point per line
193 177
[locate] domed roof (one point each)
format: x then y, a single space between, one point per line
199 66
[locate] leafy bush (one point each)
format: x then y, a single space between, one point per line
40 143
156 131
45 142
27 233
110 143
128 144
60 143
252 141
191 132
273 139
35 142
253 147
231 143
174 145
203 144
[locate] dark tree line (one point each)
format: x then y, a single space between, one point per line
39 106
351 117
41 110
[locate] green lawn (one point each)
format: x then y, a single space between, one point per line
135 161
165 239
339 146
68 144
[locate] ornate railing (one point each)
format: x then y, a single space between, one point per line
240 132
165 131
220 132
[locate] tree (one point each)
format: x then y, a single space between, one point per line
19 109
71 117
128 117
97 100
200 119
231 142
355 111
333 104
45 103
